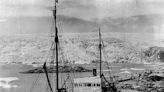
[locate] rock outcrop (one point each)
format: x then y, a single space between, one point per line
62 69
155 54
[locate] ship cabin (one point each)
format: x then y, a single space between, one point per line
87 84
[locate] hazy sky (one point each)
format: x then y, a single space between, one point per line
83 9
86 9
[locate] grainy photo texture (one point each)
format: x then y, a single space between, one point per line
81 45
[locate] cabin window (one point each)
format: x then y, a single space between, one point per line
76 85
89 84
86 85
98 85
93 85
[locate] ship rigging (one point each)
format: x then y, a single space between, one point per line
84 84
105 86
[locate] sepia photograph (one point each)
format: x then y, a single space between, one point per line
81 45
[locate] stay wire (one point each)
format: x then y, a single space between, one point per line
35 82
108 65
37 78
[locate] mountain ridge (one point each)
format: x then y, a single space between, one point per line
34 25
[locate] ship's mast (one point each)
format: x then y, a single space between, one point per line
100 50
56 44
100 46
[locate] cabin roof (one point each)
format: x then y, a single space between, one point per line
87 80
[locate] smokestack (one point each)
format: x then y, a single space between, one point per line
94 72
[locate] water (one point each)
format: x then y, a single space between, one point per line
13 81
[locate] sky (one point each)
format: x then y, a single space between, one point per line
86 9
83 9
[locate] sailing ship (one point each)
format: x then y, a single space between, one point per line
85 84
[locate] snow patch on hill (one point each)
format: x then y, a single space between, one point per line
75 48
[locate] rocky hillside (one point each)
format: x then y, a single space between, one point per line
154 54
75 48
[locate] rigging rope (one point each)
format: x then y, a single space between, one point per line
108 65
37 78
62 59
35 82
44 66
